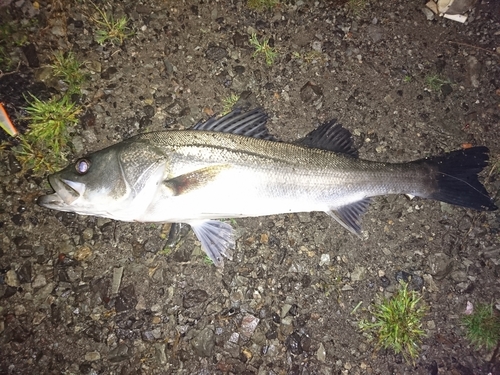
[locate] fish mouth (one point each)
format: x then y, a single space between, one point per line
66 192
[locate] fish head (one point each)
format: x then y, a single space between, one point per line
93 185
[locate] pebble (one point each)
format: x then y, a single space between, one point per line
39 281
358 273
83 253
321 353
293 344
117 279
161 355
324 260
38 317
118 354
11 279
92 356
126 300
19 310
248 325
215 53
203 342
194 298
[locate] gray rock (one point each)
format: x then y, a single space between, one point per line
248 325
204 341
194 298
92 356
215 53
376 33
474 69
119 354
11 279
39 281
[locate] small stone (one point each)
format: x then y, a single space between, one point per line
126 300
92 356
87 234
117 279
83 253
310 92
317 46
215 53
293 344
204 342
118 354
38 317
160 353
194 298
324 260
94 66
321 353
376 33
358 273
39 281
11 279
24 272
235 336
248 325
19 310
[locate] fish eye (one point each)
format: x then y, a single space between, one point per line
82 166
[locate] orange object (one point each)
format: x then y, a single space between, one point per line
6 124
465 146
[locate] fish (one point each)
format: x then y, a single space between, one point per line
232 167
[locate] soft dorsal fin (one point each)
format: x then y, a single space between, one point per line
249 124
350 216
332 137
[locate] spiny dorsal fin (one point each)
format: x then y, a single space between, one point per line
350 216
249 124
332 137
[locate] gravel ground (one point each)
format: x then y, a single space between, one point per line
84 295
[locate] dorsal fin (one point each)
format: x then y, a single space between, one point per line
249 124
332 137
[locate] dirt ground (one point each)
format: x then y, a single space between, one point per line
83 295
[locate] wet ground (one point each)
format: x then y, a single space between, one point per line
82 295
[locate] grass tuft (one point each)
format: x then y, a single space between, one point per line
260 5
45 145
228 103
111 30
482 327
397 323
435 81
357 6
67 67
263 48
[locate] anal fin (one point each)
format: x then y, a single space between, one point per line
217 239
349 216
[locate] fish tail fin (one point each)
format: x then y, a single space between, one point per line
457 178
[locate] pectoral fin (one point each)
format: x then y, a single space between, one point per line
217 239
193 180
350 216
